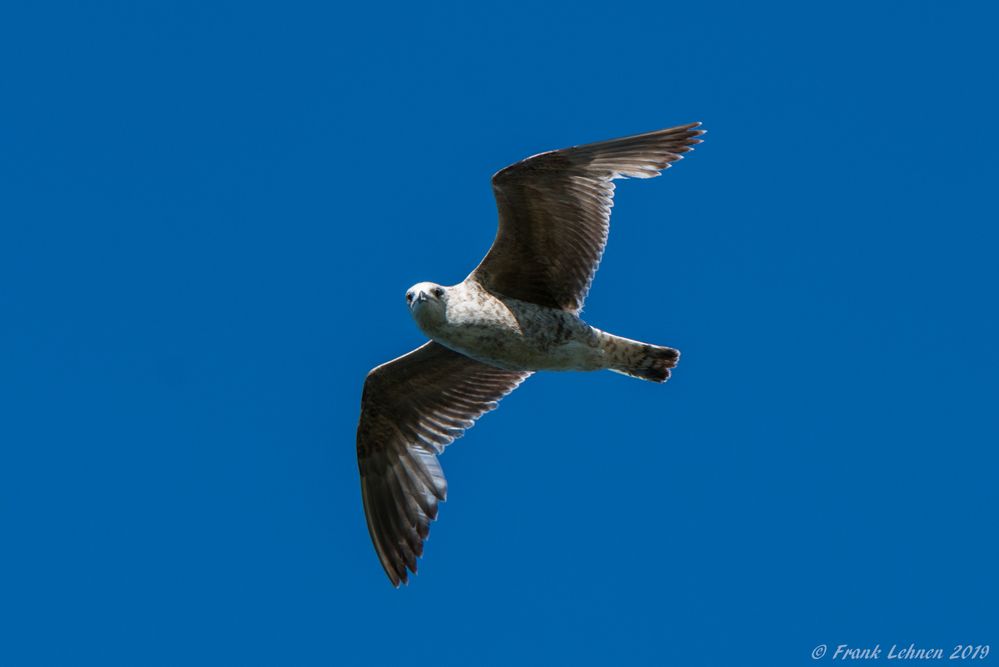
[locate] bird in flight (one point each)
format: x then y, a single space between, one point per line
516 313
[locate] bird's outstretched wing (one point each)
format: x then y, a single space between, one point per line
554 214
411 408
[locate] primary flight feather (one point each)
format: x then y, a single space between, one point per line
516 313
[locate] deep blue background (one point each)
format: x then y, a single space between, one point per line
209 216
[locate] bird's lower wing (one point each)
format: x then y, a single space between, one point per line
411 408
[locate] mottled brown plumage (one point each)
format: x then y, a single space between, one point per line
516 313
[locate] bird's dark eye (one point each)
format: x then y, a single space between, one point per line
409 297
438 292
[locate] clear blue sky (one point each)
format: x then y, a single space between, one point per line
209 216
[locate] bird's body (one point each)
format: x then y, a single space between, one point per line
516 313
509 333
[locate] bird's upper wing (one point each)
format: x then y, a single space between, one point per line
554 213
412 407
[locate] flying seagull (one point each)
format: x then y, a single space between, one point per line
516 313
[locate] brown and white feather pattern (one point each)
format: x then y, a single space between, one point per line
554 214
411 408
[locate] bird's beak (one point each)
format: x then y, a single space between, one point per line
421 297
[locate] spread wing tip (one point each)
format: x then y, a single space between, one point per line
687 135
400 559
403 560
399 521
689 132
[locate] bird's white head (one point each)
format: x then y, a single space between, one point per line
428 304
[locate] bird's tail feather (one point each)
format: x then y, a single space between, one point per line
637 359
